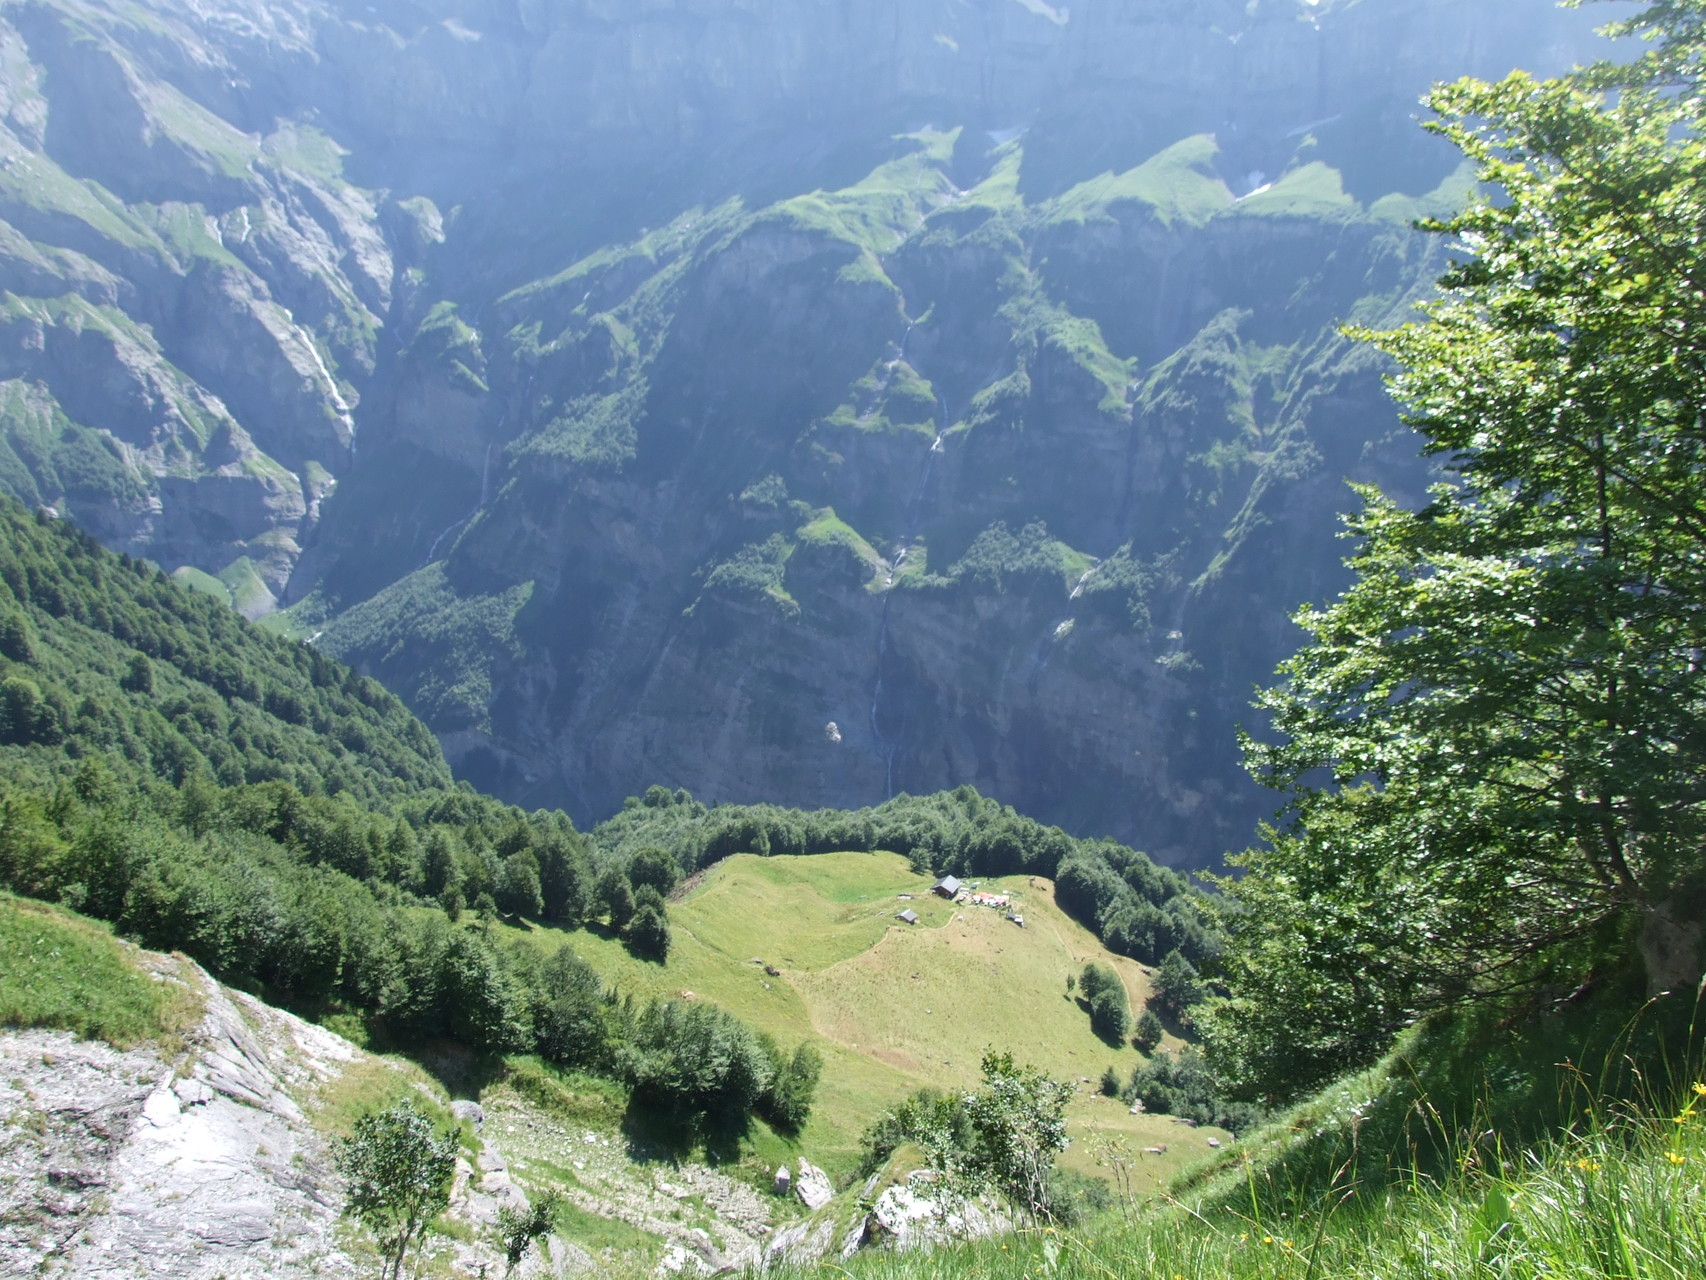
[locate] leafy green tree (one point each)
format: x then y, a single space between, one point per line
1508 705
647 933
1149 1031
138 675
25 717
570 1023
521 1227
1177 987
1110 1009
16 642
788 1103
1186 1087
696 1058
615 897
441 871
518 890
480 1001
655 867
397 1174
1110 1015
1018 1125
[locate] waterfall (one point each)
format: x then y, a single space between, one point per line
1062 627
455 525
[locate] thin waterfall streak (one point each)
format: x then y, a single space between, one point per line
455 525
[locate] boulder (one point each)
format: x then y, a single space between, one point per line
784 1180
813 1186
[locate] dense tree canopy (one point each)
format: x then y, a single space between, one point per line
1493 745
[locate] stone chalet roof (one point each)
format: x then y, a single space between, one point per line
947 886
911 917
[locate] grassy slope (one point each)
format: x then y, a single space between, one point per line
847 979
68 972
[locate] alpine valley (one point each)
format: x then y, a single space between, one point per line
786 400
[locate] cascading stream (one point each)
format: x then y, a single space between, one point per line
485 481
1061 629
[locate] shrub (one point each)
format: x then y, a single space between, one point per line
398 1175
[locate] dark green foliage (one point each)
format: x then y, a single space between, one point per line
1183 1086
615 897
1135 907
655 867
518 892
138 675
1110 1009
793 1087
572 1019
695 1058
1177 987
100 654
1148 1032
16 641
26 716
1110 1085
647 934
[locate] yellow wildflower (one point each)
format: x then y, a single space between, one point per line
1675 1157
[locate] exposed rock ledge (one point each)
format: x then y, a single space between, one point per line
127 1164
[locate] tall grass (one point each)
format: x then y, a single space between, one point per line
1619 1195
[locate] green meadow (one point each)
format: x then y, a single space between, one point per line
894 1007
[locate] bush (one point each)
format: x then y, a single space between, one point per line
647 934
1110 1012
1109 1017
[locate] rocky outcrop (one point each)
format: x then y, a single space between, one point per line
124 1164
209 1162
908 1213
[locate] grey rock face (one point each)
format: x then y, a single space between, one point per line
123 1164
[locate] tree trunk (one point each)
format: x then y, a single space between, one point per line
1671 936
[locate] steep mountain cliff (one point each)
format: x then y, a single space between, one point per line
778 402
